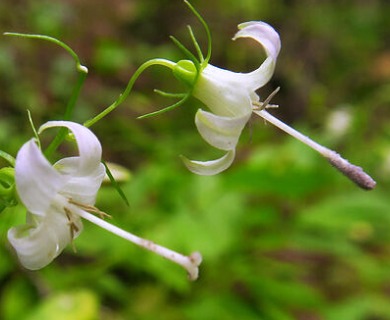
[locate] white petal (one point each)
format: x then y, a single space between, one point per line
230 94
262 33
38 242
89 146
37 182
270 40
79 187
220 132
208 168
223 92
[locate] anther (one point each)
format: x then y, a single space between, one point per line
265 104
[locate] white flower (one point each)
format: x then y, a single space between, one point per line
230 97
46 191
57 197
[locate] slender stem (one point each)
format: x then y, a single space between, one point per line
123 96
354 173
30 119
10 159
190 263
68 115
79 66
83 72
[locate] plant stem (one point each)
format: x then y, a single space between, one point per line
68 115
123 96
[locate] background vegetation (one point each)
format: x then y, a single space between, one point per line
283 235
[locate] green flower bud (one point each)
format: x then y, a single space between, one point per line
186 72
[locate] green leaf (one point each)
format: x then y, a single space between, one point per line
76 305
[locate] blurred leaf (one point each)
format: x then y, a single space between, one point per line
76 305
17 299
110 57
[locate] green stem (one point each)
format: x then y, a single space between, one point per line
123 96
83 72
7 157
67 116
79 66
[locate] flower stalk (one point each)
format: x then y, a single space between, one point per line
122 97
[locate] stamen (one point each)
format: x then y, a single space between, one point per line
72 227
190 263
354 173
265 105
90 208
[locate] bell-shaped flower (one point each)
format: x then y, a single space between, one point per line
46 190
230 97
58 196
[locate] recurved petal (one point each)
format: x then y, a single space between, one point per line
209 168
37 182
42 239
89 147
78 187
264 34
220 132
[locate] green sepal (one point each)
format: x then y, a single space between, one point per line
7 157
115 184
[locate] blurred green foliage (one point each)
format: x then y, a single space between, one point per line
283 235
